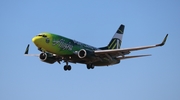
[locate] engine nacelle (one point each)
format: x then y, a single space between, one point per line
85 53
48 58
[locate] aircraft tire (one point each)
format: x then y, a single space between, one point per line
90 66
69 67
65 68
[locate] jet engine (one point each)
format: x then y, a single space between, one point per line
85 53
48 58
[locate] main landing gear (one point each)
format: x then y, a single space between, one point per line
67 67
90 66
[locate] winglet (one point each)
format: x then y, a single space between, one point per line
27 49
163 42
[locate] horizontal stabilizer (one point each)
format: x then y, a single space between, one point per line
136 56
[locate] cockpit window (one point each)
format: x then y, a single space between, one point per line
42 35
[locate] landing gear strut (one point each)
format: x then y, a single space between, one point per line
90 66
67 67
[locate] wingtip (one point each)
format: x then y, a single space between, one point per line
164 41
27 49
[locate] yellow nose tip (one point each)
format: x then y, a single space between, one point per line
34 39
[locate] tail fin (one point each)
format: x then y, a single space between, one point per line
115 42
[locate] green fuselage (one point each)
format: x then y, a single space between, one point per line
68 48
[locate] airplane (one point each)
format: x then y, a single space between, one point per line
56 48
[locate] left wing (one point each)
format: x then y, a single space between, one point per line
127 50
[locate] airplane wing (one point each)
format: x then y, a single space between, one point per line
127 50
26 53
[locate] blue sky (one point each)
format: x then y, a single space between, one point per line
92 22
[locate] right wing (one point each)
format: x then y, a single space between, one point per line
26 53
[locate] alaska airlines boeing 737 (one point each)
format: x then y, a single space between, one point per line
56 48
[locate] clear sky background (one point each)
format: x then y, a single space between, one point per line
93 22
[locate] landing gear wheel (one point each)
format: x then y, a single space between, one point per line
90 66
67 67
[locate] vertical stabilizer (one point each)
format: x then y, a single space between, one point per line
115 42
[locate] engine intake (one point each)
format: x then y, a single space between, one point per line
48 58
85 53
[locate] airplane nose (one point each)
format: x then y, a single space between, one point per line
34 40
